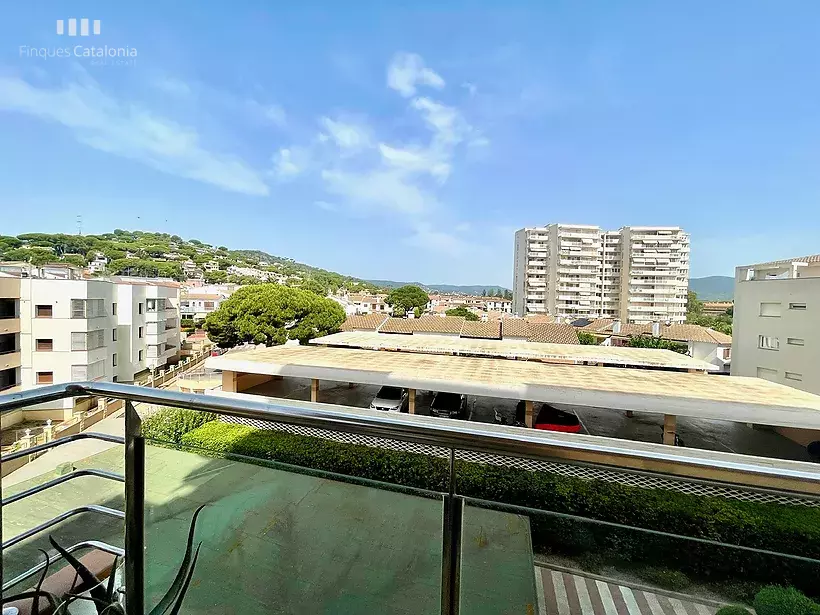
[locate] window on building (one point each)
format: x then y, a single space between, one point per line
768 342
113 309
139 307
793 376
92 371
139 355
45 345
87 308
797 306
770 309
114 359
209 305
45 377
43 311
87 340
795 341
139 332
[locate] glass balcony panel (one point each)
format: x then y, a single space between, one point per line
290 539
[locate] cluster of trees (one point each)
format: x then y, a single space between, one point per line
587 339
271 314
648 341
695 315
405 299
461 311
497 292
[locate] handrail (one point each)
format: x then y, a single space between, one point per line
62 479
87 544
95 508
60 441
530 443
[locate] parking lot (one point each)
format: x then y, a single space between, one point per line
696 433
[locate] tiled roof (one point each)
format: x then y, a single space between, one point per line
695 333
598 325
553 333
487 330
398 325
539 318
515 327
363 322
439 324
812 258
204 296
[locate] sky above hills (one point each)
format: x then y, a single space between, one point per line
410 143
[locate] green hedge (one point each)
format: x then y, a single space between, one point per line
794 530
170 424
775 600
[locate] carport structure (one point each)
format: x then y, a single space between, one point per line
569 354
672 394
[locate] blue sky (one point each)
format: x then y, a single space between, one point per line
409 143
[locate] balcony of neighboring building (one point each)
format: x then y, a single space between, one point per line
9 378
10 351
9 315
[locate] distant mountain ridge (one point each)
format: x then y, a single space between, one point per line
466 289
713 287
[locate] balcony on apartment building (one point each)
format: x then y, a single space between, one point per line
10 359
262 511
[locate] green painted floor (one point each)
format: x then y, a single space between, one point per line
281 542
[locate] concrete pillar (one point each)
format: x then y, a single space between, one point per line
629 414
411 393
314 390
669 425
48 430
229 382
26 440
529 420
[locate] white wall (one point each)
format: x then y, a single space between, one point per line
790 359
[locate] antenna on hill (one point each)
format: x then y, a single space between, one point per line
79 224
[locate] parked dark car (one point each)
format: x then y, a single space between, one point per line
449 405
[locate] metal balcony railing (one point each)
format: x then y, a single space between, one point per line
454 443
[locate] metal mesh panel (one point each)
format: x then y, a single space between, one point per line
623 477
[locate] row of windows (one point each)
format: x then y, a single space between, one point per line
79 372
80 308
771 374
80 340
770 342
773 309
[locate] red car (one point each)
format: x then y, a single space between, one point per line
547 417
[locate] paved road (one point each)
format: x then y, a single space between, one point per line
561 593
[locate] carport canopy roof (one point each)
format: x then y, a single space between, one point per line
735 398
516 349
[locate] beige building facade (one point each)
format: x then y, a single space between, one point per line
775 330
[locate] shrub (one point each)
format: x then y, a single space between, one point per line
773 527
665 578
733 610
776 600
170 424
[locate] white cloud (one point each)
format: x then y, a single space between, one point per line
325 205
415 161
407 70
127 130
446 122
288 163
346 135
378 191
463 227
273 113
427 237
471 88
479 142
173 86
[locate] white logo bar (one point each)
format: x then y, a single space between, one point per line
96 27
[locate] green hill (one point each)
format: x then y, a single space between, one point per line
713 288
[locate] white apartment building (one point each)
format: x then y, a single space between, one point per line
774 332
636 274
56 326
148 325
200 304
